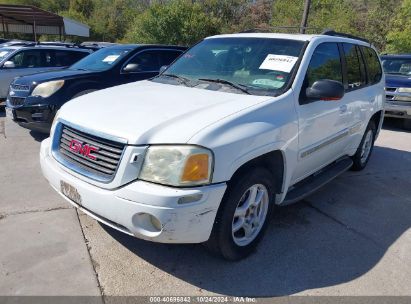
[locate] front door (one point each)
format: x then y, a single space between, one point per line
323 125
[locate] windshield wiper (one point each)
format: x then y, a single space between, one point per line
182 79
223 81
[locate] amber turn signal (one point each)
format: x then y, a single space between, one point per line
196 168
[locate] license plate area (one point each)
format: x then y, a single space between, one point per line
10 113
70 192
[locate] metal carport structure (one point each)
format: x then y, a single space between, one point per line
28 19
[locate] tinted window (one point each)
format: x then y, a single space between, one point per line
167 57
325 64
147 61
67 58
355 78
373 65
30 59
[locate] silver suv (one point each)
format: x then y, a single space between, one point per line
23 60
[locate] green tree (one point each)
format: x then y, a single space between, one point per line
177 22
399 36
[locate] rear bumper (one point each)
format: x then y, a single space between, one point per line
130 208
398 109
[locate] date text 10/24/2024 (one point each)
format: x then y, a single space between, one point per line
202 299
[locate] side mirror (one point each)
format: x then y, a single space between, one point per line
9 65
325 89
131 67
163 68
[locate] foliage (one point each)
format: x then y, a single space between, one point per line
178 22
399 37
386 23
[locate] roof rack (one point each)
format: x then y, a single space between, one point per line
330 32
271 28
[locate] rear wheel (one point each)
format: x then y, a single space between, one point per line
243 215
362 156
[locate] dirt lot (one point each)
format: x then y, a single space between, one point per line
353 237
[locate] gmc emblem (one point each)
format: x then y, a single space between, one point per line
85 150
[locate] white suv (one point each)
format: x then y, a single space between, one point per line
204 151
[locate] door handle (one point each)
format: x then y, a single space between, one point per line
343 109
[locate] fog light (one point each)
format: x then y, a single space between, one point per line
147 224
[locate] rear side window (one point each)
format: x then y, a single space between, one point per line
355 66
325 64
373 65
167 57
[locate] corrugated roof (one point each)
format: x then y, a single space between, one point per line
29 19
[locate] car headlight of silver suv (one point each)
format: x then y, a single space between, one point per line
48 88
177 165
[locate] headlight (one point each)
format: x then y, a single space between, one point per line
183 165
47 89
404 90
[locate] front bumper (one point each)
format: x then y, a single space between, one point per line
37 117
398 109
129 208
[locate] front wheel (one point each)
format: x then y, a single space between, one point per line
362 156
243 215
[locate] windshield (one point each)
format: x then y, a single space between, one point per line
399 66
4 53
261 66
101 60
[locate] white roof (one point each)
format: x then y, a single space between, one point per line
301 37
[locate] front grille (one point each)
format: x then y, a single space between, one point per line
392 94
20 87
16 101
107 156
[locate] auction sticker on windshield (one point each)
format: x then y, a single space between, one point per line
281 63
111 58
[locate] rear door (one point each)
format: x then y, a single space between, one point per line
323 125
357 93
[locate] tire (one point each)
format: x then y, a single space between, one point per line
364 151
236 245
83 93
406 124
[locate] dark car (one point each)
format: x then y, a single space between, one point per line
397 70
34 100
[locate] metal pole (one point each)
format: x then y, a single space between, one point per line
4 26
34 29
304 20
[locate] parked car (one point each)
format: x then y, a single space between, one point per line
33 100
398 87
34 58
204 151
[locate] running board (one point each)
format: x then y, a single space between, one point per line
316 181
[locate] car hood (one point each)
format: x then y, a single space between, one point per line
50 75
397 81
153 113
